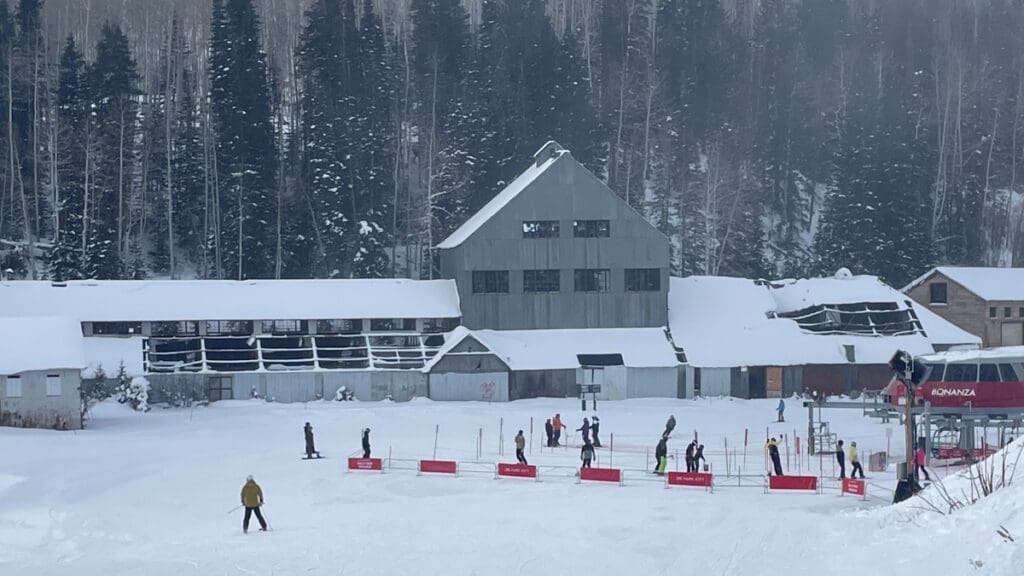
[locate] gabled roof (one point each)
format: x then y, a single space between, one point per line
179 300
40 343
986 283
558 349
545 158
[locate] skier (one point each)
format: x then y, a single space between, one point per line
310 449
586 431
841 458
550 431
252 499
781 409
854 461
690 465
587 453
661 455
520 445
366 442
697 457
669 426
556 424
593 430
773 453
919 460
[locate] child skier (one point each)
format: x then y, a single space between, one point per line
587 453
919 461
310 449
773 453
690 466
550 431
594 427
366 442
698 455
854 461
841 459
520 445
781 409
556 424
585 429
661 455
252 499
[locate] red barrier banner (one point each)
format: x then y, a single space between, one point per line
701 479
365 464
793 482
601 474
518 470
439 466
851 486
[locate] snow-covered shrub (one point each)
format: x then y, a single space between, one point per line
343 394
134 393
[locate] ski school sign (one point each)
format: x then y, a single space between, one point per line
372 464
698 479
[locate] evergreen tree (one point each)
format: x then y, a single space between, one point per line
240 102
28 93
65 258
188 179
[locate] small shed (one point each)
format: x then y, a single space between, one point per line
40 372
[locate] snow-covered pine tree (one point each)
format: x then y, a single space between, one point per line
188 197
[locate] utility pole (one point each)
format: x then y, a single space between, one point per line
908 371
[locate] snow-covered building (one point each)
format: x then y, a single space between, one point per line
987 302
495 365
759 339
40 363
558 249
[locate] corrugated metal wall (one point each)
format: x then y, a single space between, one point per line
482 386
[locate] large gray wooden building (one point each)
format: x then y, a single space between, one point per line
558 249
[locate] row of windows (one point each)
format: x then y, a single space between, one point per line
993 312
580 229
14 390
584 280
275 327
973 373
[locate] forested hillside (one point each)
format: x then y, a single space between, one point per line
344 138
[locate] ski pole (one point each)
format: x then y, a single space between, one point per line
232 511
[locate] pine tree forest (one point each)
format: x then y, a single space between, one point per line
244 139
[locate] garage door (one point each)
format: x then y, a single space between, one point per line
1013 334
485 386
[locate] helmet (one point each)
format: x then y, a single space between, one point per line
249 478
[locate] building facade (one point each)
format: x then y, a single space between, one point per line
558 249
987 302
40 364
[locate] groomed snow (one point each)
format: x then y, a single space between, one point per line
40 343
150 494
988 283
176 300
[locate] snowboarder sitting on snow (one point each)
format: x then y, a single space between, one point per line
854 461
698 455
841 459
773 453
550 431
661 455
587 453
586 431
252 499
310 449
781 409
670 425
690 465
520 445
366 443
593 430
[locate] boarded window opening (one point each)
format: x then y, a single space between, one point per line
600 359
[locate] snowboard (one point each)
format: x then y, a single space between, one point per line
316 456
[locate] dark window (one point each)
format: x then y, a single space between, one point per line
643 279
876 318
283 327
435 325
393 324
172 329
938 293
991 311
1020 312
117 328
1007 312
540 229
490 282
228 327
934 372
591 229
339 326
1008 373
989 373
541 281
592 280
599 359
961 373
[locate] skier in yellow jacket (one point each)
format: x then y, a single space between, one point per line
851 454
252 499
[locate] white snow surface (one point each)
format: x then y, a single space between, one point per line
1001 353
724 322
558 349
176 300
40 343
989 283
150 494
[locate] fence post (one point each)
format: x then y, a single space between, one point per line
501 436
437 429
531 434
611 448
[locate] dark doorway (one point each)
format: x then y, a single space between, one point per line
757 382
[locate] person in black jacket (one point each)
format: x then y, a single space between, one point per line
698 455
841 458
585 429
550 431
670 425
366 443
587 454
773 453
594 427
310 448
661 456
690 467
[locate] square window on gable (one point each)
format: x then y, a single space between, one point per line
938 293
991 311
591 229
643 279
541 280
592 280
14 387
540 229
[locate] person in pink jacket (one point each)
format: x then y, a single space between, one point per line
919 459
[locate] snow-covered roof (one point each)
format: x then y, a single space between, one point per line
558 349
986 283
1008 353
942 332
462 233
171 300
40 343
727 322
